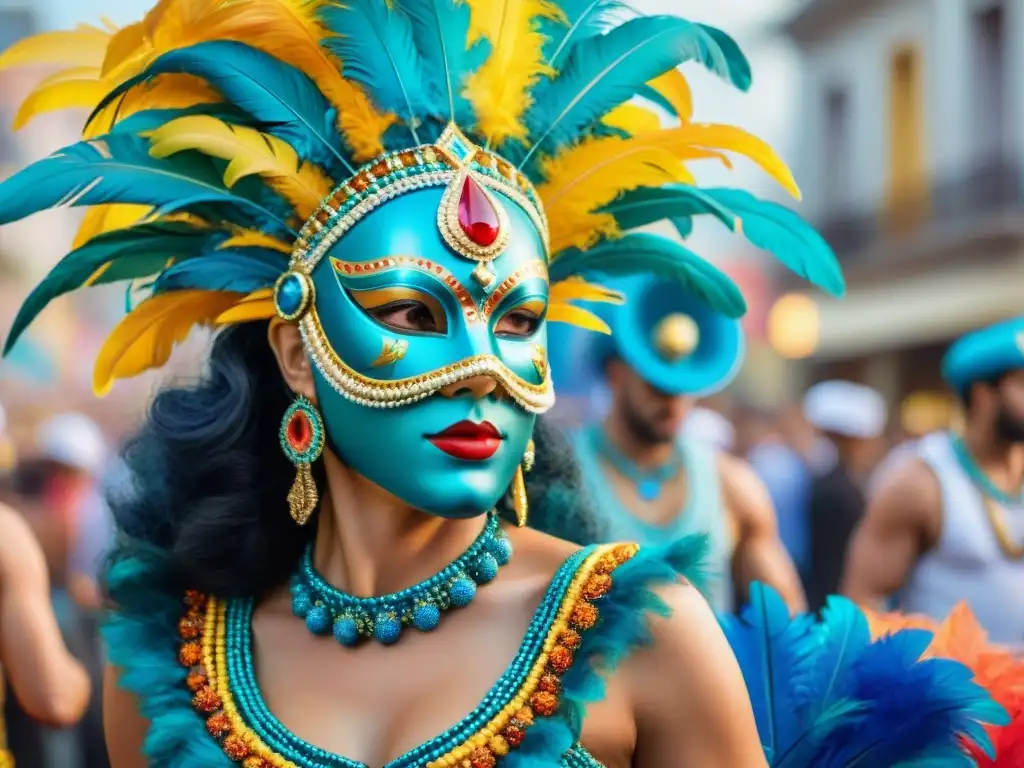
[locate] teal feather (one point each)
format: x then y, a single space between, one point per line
278 98
646 253
605 71
135 252
119 169
583 19
784 234
376 44
440 29
142 643
647 205
242 270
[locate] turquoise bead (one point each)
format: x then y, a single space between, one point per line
502 550
486 568
462 592
318 620
346 631
387 629
426 617
301 603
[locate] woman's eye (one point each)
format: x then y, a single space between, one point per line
518 322
408 315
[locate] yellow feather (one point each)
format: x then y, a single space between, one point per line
258 305
581 318
63 94
673 87
248 152
729 138
577 289
70 73
145 338
107 218
500 90
83 46
243 238
592 174
632 119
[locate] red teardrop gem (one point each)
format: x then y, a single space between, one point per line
477 216
300 432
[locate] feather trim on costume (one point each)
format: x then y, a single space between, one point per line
826 696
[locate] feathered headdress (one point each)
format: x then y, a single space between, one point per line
826 695
960 637
224 133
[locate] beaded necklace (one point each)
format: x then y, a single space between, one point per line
353 619
980 479
648 484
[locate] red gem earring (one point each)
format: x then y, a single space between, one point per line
302 439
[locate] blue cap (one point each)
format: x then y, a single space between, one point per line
984 355
669 336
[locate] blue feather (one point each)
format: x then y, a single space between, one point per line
785 234
233 269
918 708
119 169
132 253
583 19
375 42
772 649
279 98
604 71
440 29
643 252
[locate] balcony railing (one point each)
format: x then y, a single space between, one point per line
989 188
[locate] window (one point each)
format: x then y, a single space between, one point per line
988 83
908 183
836 148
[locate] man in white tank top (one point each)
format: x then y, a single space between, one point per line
648 482
947 525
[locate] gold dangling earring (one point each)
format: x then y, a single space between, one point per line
302 439
519 501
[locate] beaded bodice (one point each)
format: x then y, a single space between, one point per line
217 649
190 666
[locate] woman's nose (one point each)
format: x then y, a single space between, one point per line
478 387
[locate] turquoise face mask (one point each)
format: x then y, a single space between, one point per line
404 315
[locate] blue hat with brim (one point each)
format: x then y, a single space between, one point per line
669 336
984 355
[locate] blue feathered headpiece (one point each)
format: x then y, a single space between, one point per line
224 132
826 696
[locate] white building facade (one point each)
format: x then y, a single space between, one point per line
911 136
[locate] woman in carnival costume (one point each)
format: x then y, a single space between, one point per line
383 191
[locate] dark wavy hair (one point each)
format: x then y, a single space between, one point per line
208 479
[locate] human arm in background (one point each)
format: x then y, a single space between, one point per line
691 704
760 554
903 520
47 681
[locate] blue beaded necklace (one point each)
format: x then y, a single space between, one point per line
981 480
648 484
353 619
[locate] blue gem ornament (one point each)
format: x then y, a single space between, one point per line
486 568
387 628
462 592
293 293
346 631
426 616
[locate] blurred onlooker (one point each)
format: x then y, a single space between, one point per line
58 491
786 461
853 418
710 427
947 525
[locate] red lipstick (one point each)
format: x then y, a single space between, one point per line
468 440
